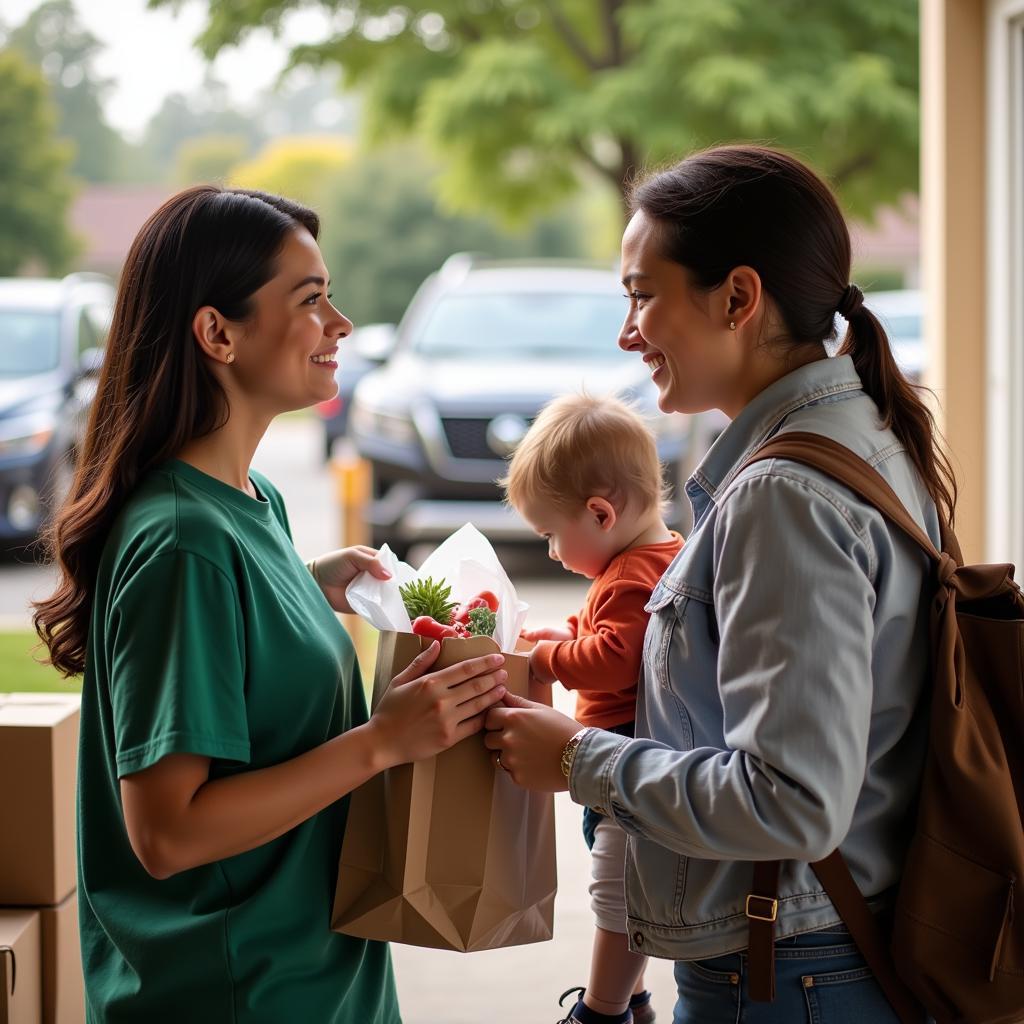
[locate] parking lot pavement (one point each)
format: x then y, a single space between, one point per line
21 581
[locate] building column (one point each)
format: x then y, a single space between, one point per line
953 243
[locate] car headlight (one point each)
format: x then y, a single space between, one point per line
390 426
21 438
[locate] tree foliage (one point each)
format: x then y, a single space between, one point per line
383 233
522 95
302 168
35 189
54 39
209 158
182 118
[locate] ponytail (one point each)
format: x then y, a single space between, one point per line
899 405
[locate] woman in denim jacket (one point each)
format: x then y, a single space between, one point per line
780 712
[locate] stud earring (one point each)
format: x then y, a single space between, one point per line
230 357
732 325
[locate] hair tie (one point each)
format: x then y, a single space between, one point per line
850 302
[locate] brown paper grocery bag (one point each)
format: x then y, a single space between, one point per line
447 852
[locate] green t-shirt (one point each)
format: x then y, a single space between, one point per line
210 637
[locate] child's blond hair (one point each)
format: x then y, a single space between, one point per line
579 447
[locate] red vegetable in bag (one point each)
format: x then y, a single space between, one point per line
485 599
462 613
424 625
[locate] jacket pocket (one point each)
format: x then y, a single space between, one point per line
667 609
655 882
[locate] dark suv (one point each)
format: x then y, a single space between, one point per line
52 334
482 347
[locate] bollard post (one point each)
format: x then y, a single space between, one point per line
353 478
353 481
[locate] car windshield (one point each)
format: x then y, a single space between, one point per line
29 342
902 326
520 324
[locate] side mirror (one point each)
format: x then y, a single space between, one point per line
89 362
375 342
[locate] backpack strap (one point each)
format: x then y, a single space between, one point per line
762 907
834 874
845 466
864 480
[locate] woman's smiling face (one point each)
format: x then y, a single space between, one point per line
289 350
676 328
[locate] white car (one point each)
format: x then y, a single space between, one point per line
902 315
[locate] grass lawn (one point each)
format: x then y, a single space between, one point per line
19 670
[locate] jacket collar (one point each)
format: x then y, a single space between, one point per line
811 383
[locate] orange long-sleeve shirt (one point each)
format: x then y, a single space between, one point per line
603 662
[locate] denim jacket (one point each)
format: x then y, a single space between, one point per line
779 713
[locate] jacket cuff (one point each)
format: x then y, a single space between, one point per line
590 779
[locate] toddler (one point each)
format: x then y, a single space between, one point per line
587 479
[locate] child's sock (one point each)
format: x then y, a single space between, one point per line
585 1015
639 999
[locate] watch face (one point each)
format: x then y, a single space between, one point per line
570 750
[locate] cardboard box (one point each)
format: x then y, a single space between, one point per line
20 985
63 987
38 765
447 852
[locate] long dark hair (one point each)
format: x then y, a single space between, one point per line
204 246
752 206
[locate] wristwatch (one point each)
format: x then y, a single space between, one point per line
569 752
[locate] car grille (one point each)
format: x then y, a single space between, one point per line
467 438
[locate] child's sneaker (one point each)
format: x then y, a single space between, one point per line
581 1014
640 1005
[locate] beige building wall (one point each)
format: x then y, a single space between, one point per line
953 243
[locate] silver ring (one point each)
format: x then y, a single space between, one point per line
497 761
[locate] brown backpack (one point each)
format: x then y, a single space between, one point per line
957 942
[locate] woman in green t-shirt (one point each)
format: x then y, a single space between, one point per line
223 718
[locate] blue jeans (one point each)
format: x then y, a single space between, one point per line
820 978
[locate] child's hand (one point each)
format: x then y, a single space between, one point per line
538 672
548 633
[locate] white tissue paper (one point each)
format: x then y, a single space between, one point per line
466 561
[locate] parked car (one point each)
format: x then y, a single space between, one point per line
52 334
366 349
481 348
902 314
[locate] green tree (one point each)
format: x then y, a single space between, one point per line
54 39
383 233
207 158
35 189
182 118
520 95
302 168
